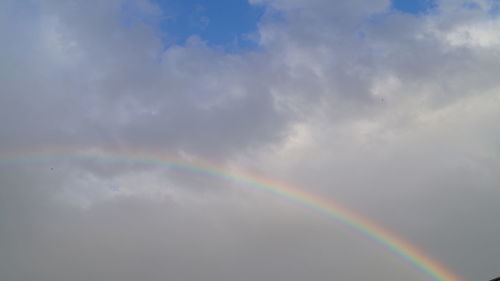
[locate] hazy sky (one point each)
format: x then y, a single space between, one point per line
392 109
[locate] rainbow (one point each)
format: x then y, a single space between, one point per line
333 210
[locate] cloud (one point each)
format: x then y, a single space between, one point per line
391 113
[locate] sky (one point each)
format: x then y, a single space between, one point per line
390 109
226 23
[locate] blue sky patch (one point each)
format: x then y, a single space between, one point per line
495 8
220 23
413 6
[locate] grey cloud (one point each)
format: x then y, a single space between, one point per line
128 238
102 81
393 114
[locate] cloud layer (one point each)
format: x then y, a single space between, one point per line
393 114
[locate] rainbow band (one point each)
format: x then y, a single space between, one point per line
328 208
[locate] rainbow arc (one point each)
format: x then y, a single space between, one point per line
333 210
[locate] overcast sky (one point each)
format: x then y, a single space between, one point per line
392 109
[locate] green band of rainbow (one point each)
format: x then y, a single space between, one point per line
328 208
